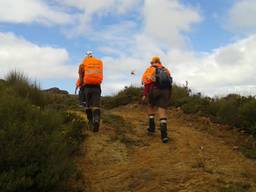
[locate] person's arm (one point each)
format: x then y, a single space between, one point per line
102 70
146 89
81 73
76 90
78 84
171 84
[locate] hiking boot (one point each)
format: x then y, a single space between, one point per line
164 135
89 114
152 126
96 127
90 125
151 131
96 120
165 140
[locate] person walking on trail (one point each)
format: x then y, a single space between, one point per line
90 79
157 83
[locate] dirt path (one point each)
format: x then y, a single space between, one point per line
199 158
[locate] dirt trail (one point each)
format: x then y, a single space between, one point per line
199 158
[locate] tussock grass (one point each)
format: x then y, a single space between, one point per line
37 143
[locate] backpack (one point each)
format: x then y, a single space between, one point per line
163 78
93 71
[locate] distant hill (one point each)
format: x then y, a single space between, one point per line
56 90
2 81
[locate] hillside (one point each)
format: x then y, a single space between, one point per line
43 148
201 156
38 138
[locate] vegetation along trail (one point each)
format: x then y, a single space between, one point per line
200 157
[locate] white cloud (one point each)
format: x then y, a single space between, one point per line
36 61
101 7
28 11
241 17
218 72
167 20
89 11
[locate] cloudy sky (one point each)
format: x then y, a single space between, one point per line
210 44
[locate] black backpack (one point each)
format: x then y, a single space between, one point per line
163 78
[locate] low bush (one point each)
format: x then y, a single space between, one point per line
180 95
196 104
247 114
234 110
248 151
25 89
63 102
127 96
235 187
36 142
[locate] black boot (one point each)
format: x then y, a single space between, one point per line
96 120
90 118
163 126
152 125
82 97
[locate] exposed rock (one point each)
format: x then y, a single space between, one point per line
56 90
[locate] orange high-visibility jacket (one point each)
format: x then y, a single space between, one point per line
91 72
149 75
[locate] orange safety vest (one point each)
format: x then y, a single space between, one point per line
149 75
93 71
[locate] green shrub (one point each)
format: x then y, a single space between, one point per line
62 102
74 133
248 151
124 97
236 187
36 143
247 113
179 95
228 110
25 89
2 82
196 104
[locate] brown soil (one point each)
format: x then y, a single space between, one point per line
200 157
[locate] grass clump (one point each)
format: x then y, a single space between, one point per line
248 151
127 96
25 89
36 143
122 128
235 187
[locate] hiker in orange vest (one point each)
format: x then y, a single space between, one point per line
90 78
157 83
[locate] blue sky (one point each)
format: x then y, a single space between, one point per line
208 43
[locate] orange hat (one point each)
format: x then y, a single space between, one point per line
155 59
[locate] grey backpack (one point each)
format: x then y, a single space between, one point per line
163 78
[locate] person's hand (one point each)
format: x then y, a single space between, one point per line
144 99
